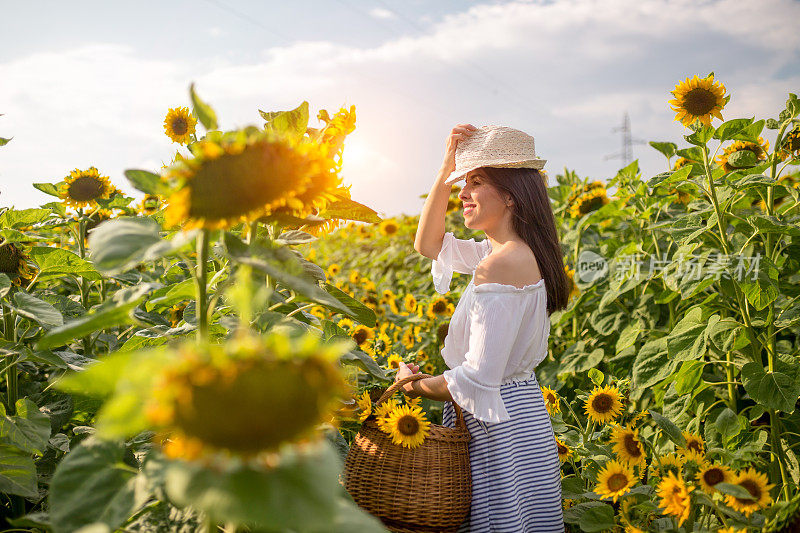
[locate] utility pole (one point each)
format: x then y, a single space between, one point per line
627 142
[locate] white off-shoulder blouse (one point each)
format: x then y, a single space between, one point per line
498 333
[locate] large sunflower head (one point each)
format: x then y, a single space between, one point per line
439 306
757 484
675 497
247 396
614 480
239 176
627 445
14 263
179 125
407 426
551 401
591 200
712 473
759 149
604 404
82 188
698 99
394 361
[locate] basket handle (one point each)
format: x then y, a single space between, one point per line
414 377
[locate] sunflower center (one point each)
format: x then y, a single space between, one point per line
562 450
390 229
408 425
602 403
394 363
752 487
85 189
180 126
699 101
549 398
360 336
617 482
591 204
441 331
694 446
9 259
632 445
439 307
712 476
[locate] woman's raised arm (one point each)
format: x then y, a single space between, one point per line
430 230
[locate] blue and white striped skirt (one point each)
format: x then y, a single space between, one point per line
516 479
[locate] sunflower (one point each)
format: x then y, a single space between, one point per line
333 269
408 338
319 312
695 447
759 149
421 357
670 462
251 394
345 323
790 145
757 484
551 401
176 314
368 285
614 480
388 227
410 303
354 277
604 404
675 497
393 306
683 197
14 263
564 451
440 307
364 404
383 410
627 445
394 361
240 176
588 201
407 426
412 402
429 368
151 203
698 99
179 125
681 162
361 334
453 204
82 188
323 228
712 473
573 288
337 128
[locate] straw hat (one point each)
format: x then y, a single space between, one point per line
494 146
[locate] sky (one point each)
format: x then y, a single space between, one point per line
89 83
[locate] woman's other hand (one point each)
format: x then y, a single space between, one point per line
459 132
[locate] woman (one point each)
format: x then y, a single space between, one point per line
499 330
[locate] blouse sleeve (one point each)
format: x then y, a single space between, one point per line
456 255
495 321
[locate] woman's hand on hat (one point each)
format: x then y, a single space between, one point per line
459 132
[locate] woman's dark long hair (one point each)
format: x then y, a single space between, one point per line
535 223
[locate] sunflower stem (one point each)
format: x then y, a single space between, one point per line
774 429
10 334
201 305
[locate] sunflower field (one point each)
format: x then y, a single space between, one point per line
203 357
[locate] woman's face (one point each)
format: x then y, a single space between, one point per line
484 207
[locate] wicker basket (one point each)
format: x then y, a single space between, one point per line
423 489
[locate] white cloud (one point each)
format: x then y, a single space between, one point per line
381 13
565 71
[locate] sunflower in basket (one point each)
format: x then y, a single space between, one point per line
407 425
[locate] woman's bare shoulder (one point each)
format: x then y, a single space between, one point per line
513 264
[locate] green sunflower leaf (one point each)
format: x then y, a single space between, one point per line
669 428
701 136
31 307
148 182
56 262
17 472
751 132
667 148
752 180
728 129
743 159
4 141
48 188
291 123
773 390
204 112
13 218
